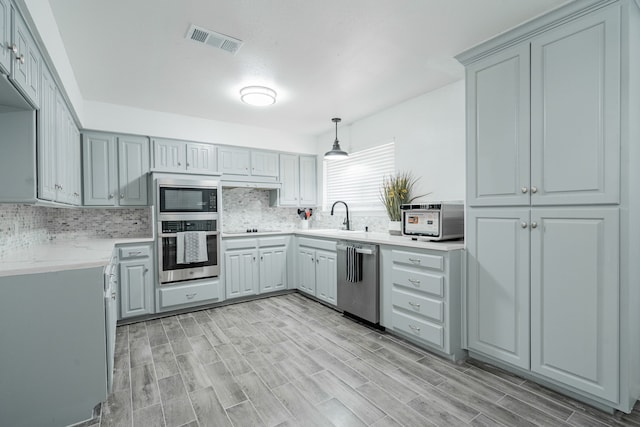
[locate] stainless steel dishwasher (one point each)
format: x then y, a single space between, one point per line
360 298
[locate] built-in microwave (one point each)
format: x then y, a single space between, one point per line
183 196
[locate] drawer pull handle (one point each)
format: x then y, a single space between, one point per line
415 328
414 282
190 296
135 253
414 260
413 304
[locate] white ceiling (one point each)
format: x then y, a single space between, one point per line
330 58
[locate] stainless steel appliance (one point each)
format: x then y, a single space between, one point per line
433 220
358 281
186 196
171 268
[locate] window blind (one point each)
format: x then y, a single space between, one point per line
356 180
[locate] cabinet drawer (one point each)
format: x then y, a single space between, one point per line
327 245
435 262
418 280
422 329
187 294
134 252
272 241
418 304
242 243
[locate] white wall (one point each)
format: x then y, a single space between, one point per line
118 118
429 135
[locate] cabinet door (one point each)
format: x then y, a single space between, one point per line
308 187
65 154
73 170
5 27
201 158
47 141
575 111
273 267
169 155
498 129
133 165
575 297
233 161
290 178
498 283
26 68
264 163
306 270
326 276
99 161
136 288
241 273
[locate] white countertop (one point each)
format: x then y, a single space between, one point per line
362 236
62 255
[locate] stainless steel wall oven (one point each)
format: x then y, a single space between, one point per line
188 235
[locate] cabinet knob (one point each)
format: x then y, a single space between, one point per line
110 196
146 270
113 295
534 189
13 48
179 164
317 261
122 195
187 164
261 258
523 224
20 59
534 225
524 189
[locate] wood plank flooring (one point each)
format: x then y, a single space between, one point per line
289 361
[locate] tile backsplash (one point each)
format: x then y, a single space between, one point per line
242 208
25 225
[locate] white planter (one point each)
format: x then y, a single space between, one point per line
395 228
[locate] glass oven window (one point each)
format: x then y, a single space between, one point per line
169 254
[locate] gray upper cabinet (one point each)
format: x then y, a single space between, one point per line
27 60
264 163
242 164
498 137
234 161
172 155
575 112
5 27
570 94
115 169
298 177
58 154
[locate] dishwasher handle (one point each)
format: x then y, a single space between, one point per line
364 251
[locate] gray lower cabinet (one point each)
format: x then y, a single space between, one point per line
317 268
255 265
552 200
135 273
115 169
421 297
54 354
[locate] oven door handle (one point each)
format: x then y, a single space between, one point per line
208 233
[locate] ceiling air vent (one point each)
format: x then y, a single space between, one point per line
211 38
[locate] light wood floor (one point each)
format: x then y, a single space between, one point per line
289 361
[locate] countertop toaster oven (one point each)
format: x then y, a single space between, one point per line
433 220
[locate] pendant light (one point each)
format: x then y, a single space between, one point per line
336 152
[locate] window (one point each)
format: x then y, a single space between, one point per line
356 180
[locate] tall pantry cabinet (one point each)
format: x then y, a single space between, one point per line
553 188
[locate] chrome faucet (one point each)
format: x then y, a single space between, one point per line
346 221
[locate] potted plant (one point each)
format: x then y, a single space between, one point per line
395 191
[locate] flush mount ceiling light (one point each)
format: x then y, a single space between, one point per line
336 152
258 96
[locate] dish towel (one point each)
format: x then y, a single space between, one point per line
191 247
354 265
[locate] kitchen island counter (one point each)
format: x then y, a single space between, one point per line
59 255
